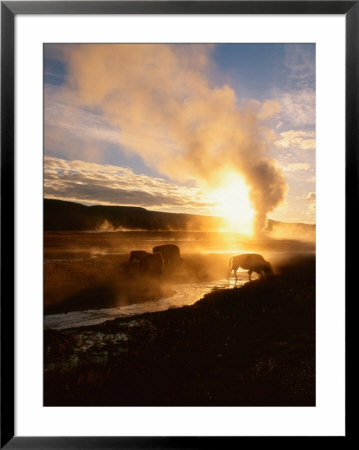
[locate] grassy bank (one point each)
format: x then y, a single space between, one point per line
249 346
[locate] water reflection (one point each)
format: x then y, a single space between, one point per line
186 294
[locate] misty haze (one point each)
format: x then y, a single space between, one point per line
179 225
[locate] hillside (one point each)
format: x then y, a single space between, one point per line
69 216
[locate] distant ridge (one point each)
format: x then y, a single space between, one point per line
62 215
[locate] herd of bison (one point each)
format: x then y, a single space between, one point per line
162 257
167 257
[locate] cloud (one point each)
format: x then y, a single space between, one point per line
311 209
62 112
298 107
72 130
300 64
92 183
268 109
159 102
294 167
311 197
304 140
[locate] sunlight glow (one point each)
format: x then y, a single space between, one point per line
233 203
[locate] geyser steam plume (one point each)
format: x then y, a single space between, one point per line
170 112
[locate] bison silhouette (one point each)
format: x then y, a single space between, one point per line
170 254
252 262
151 264
137 255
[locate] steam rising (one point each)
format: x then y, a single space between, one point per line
170 112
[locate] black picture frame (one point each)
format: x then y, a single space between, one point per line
9 9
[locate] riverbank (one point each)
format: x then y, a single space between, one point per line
90 271
248 346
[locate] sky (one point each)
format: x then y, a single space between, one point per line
194 128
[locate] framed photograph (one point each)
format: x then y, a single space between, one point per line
177 183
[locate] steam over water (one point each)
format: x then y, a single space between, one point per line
83 270
186 294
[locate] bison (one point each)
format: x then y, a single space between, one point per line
137 255
170 254
151 264
252 262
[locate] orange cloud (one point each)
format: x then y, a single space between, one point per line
93 183
168 110
304 140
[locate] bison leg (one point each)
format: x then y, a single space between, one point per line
250 274
235 275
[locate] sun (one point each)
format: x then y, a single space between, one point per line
233 203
